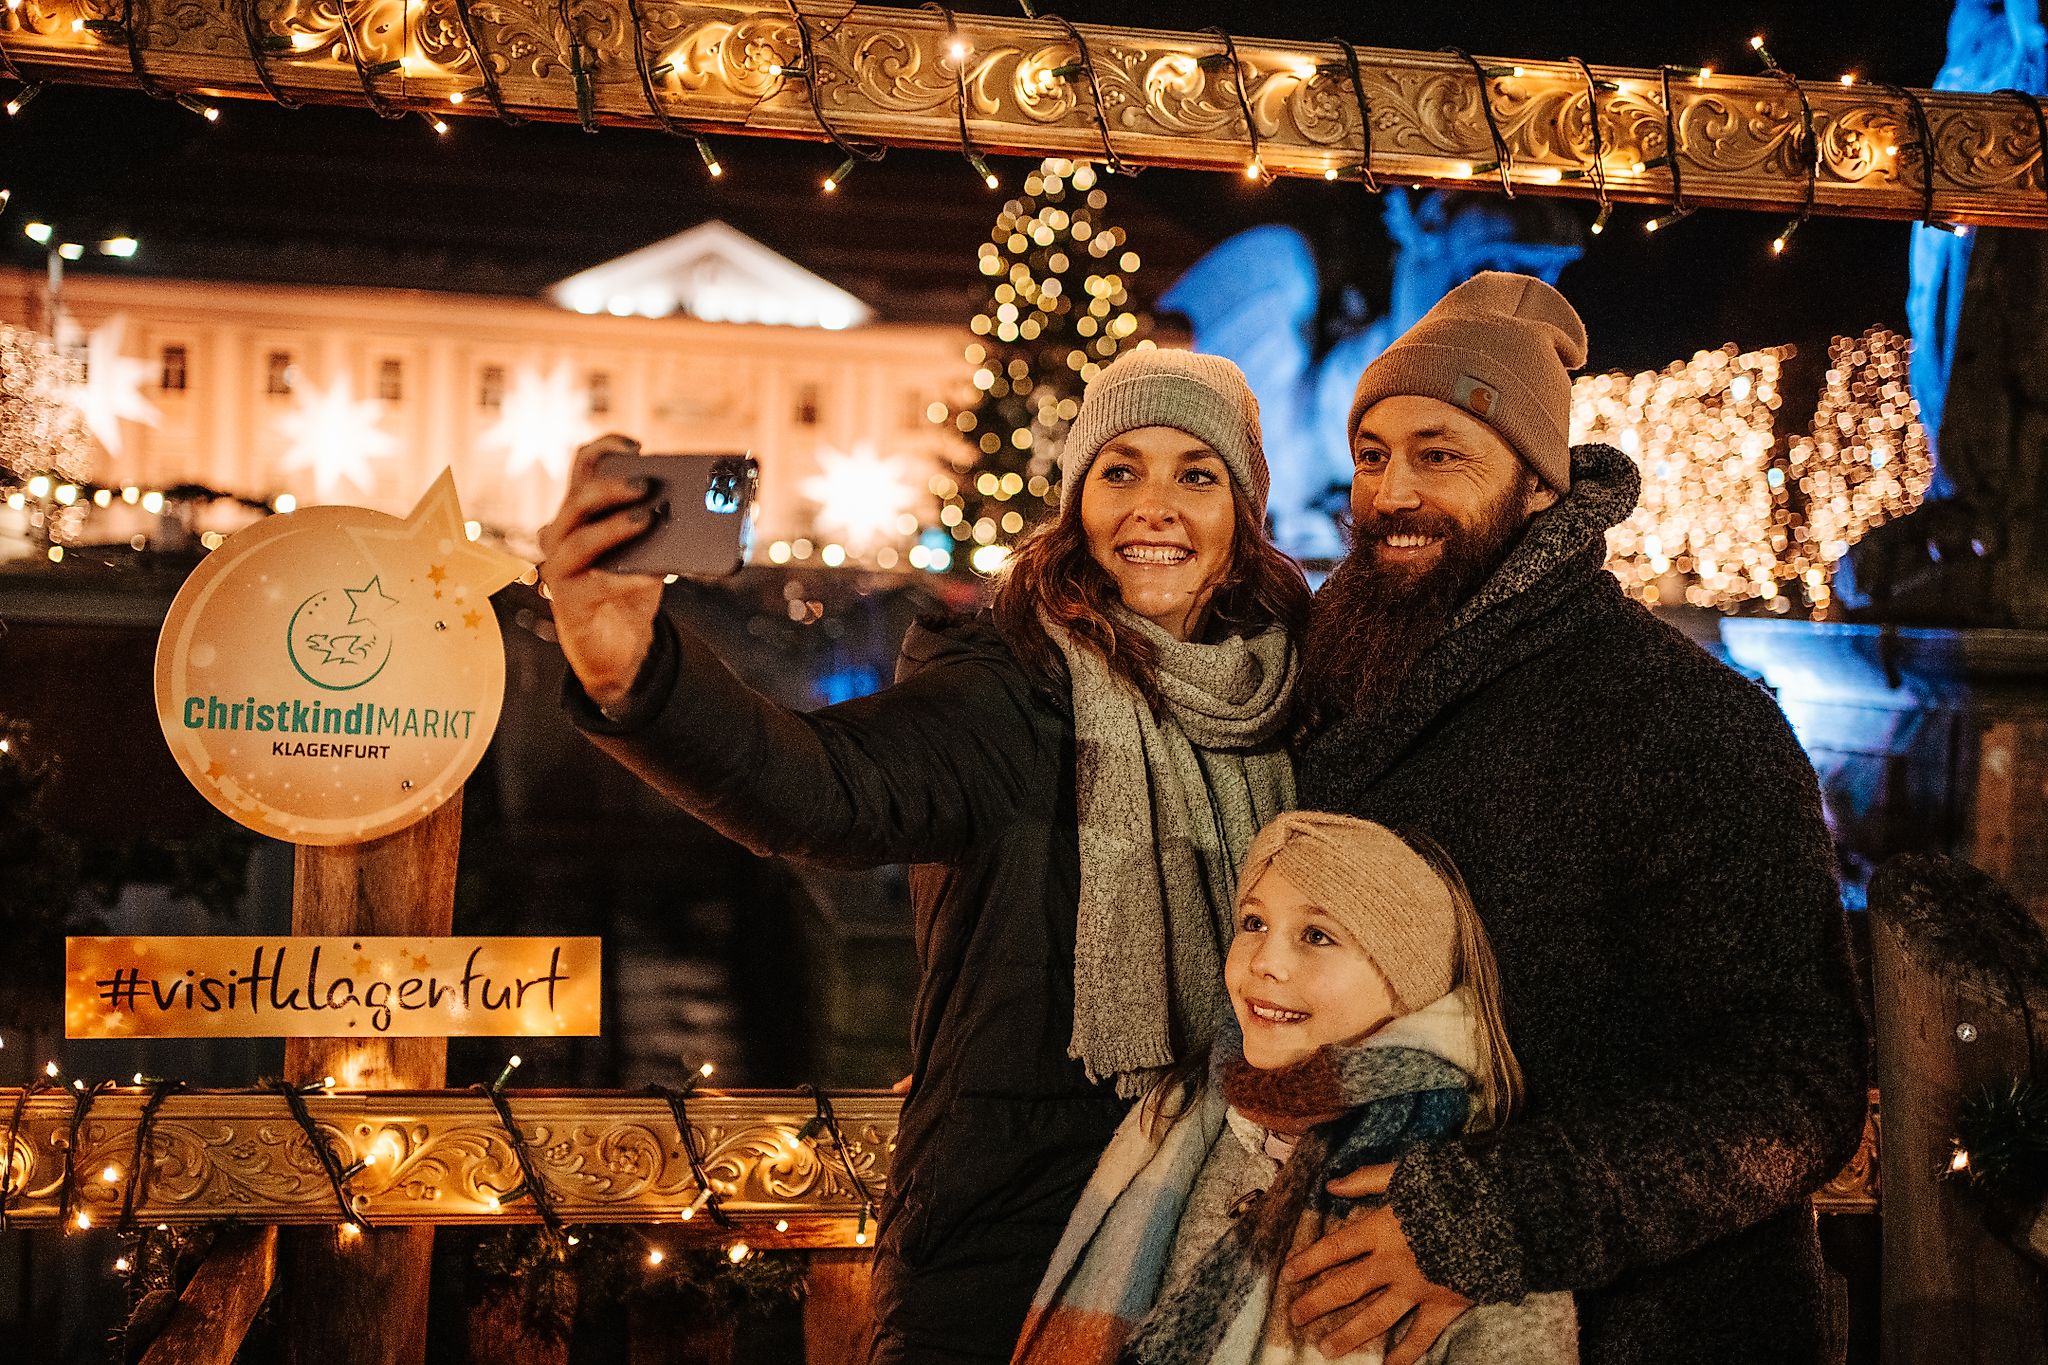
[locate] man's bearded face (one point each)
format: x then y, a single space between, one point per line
1438 500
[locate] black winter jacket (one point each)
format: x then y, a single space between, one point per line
1643 838
964 768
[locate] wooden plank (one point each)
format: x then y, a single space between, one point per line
214 1312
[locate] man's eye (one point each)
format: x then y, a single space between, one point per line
1366 459
1441 456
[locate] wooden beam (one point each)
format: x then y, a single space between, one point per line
214 1312
899 77
606 1156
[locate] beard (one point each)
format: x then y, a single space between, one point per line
1371 620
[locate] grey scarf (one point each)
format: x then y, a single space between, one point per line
1167 808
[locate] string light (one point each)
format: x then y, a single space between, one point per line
512 1064
1730 512
656 1256
737 1252
1756 44
198 106
838 177
435 121
23 96
1659 223
710 158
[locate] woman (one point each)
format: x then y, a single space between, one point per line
1076 775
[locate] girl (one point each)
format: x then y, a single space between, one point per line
1368 1019
1078 775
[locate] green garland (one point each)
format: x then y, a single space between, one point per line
600 1265
2001 1142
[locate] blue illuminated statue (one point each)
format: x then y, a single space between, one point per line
1992 45
1254 298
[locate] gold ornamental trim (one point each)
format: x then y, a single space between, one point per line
442 1157
903 77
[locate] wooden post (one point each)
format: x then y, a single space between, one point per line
838 1307
363 1300
1958 970
214 1312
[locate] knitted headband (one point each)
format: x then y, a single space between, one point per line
1384 893
1203 395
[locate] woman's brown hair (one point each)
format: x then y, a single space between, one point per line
1052 570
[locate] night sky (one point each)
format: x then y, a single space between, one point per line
338 196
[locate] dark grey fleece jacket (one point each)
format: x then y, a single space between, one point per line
1644 840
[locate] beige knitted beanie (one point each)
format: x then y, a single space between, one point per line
1383 892
1502 347
1203 395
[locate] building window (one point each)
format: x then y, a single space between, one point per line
490 389
172 379
278 373
600 393
807 405
390 380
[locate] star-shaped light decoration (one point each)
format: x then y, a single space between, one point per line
111 391
861 494
544 418
336 436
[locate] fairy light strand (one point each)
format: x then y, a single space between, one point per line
810 75
958 52
1598 166
36 1085
1365 173
532 1185
1112 161
678 1108
81 1105
579 75
252 29
487 74
1503 157
140 1159
323 1152
1673 155
367 75
2033 103
1255 169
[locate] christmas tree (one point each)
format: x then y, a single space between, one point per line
1058 311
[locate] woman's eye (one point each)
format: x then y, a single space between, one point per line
1117 473
1251 924
1316 938
1202 477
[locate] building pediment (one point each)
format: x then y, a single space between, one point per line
716 273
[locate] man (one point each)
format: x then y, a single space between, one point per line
1643 838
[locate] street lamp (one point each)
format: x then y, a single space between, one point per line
120 245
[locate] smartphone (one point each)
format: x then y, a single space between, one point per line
704 509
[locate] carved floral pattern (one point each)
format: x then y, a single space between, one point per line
444 1158
885 74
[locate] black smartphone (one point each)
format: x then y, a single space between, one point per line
704 509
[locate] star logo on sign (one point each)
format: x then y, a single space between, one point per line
368 602
420 962
472 619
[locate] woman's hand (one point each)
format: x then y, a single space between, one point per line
605 620
1364 1270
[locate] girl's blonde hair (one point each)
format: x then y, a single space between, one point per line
1498 1088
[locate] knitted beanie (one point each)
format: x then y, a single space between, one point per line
1202 395
1501 347
1384 893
